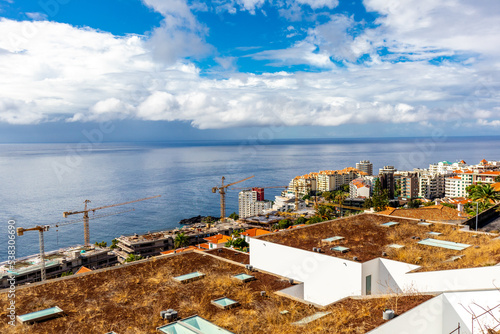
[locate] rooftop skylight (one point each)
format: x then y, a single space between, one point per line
225 303
193 325
396 246
244 277
189 277
332 239
389 224
434 233
340 249
443 244
40 315
311 318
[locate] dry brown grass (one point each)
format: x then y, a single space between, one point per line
368 240
129 300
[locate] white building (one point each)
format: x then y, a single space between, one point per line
431 185
456 186
361 187
446 167
365 166
287 203
249 206
327 278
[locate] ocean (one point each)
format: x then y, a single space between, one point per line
39 182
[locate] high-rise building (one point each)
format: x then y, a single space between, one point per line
365 166
386 176
409 184
260 193
248 204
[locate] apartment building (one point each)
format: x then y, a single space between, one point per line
304 184
365 166
446 167
361 187
387 180
249 204
329 180
408 182
431 185
67 260
456 186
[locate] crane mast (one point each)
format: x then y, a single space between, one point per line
86 210
222 192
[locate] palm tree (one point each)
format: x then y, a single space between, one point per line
484 193
324 212
181 240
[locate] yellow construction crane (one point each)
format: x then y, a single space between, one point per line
86 211
222 192
45 228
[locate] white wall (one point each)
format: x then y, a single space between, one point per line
296 291
326 278
427 318
443 313
451 280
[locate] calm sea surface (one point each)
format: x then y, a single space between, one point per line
39 182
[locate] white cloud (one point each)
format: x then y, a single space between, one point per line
180 34
53 71
37 16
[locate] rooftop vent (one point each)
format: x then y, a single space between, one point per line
388 314
262 293
355 258
169 315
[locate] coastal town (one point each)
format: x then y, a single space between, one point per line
396 242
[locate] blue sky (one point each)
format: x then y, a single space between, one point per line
226 69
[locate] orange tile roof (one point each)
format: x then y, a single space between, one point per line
254 232
204 246
295 226
455 177
490 173
496 186
459 200
180 250
218 239
434 212
82 270
463 162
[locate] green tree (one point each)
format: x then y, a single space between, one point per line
324 212
306 197
114 244
285 223
133 257
414 204
497 178
234 216
314 220
181 240
328 196
239 243
345 188
300 220
380 198
102 244
368 203
483 193
397 189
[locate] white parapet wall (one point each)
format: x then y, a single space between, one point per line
473 311
326 278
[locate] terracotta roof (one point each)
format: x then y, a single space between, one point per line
180 250
254 232
82 270
463 162
218 239
496 186
434 212
459 200
490 173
